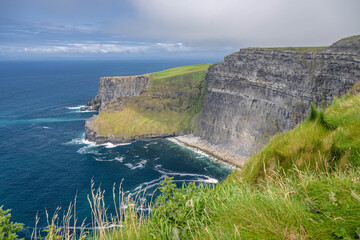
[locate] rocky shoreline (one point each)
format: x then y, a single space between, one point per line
212 150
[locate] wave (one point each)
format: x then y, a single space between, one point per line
77 107
201 154
102 159
111 145
140 165
166 172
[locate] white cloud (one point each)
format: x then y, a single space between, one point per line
242 22
93 48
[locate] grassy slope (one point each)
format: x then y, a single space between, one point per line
169 105
324 141
305 184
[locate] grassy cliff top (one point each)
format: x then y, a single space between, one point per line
169 105
174 72
351 38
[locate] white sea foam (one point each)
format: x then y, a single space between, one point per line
111 145
86 111
119 159
209 180
103 159
45 127
88 150
146 185
140 165
202 154
77 107
200 177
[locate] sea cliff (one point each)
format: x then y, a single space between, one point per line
147 107
256 93
250 96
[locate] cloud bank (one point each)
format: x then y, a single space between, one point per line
180 27
242 22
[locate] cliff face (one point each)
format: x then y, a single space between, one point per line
256 93
111 88
146 107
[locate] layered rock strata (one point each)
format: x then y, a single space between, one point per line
111 88
252 95
256 93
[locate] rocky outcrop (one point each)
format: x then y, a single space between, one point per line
111 88
256 93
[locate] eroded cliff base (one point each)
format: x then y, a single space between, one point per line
216 151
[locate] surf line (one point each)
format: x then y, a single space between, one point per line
201 152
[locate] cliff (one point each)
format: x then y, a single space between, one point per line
256 93
146 107
249 97
112 88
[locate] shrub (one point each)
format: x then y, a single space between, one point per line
8 229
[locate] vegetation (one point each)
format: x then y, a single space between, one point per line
8 229
327 140
305 184
170 105
348 39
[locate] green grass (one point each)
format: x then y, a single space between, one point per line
174 72
348 39
326 140
169 105
305 184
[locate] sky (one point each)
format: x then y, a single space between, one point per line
123 29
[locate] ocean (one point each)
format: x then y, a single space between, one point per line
44 160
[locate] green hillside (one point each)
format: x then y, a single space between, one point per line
169 105
305 184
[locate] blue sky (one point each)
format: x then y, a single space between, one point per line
94 29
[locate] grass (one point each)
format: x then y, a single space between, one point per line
329 138
348 39
170 105
305 184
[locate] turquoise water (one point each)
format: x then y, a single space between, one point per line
44 160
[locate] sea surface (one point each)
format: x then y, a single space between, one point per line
44 160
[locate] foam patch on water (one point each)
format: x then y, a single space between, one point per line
45 127
103 159
77 107
199 177
202 155
140 165
111 145
209 180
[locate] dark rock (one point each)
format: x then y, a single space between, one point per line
111 88
347 45
256 93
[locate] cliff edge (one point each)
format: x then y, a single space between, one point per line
256 93
147 107
250 96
